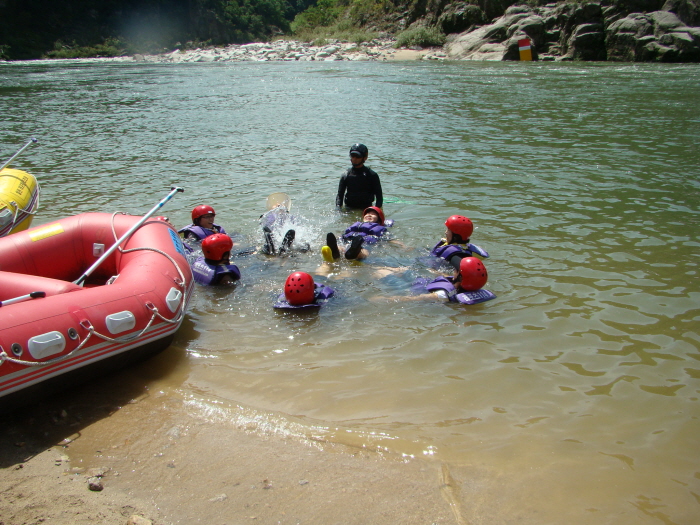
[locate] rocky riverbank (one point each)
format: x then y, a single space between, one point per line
290 51
592 31
586 31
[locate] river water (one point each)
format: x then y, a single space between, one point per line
579 384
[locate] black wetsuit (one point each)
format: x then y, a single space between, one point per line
360 186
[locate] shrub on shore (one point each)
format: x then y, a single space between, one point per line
343 30
111 47
420 36
339 20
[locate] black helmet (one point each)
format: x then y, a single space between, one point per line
359 149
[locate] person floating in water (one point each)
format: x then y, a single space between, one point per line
214 266
456 242
465 286
300 291
202 224
360 234
277 219
360 185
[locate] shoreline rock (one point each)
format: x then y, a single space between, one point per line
584 32
292 51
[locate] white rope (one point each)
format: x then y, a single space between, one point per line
126 339
4 357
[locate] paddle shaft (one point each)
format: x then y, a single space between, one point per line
119 241
29 142
32 295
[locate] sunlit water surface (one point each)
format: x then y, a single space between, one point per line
579 384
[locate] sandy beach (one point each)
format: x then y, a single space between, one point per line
155 462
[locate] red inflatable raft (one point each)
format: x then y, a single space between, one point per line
54 332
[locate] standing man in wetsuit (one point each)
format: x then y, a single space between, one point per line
359 185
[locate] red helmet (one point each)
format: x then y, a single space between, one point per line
378 211
299 289
474 274
460 225
202 209
215 246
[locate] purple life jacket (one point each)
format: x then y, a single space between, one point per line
369 231
446 251
445 285
278 217
208 274
199 232
321 294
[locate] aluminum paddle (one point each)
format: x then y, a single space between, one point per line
81 280
29 142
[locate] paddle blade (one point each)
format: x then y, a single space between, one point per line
279 199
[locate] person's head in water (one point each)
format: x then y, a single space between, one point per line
358 155
373 214
459 229
217 248
203 215
470 273
299 289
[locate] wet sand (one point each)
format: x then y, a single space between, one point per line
156 460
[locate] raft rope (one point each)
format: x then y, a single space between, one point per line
87 325
31 209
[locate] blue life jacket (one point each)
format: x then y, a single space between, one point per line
321 294
446 285
207 274
199 232
370 231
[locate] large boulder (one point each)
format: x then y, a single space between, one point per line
512 48
636 6
459 17
688 11
495 8
655 37
587 31
479 44
587 42
531 26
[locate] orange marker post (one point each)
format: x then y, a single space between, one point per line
525 49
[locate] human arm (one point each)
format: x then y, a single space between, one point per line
342 186
377 190
398 243
226 279
226 274
432 296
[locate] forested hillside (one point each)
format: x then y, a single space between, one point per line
30 29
